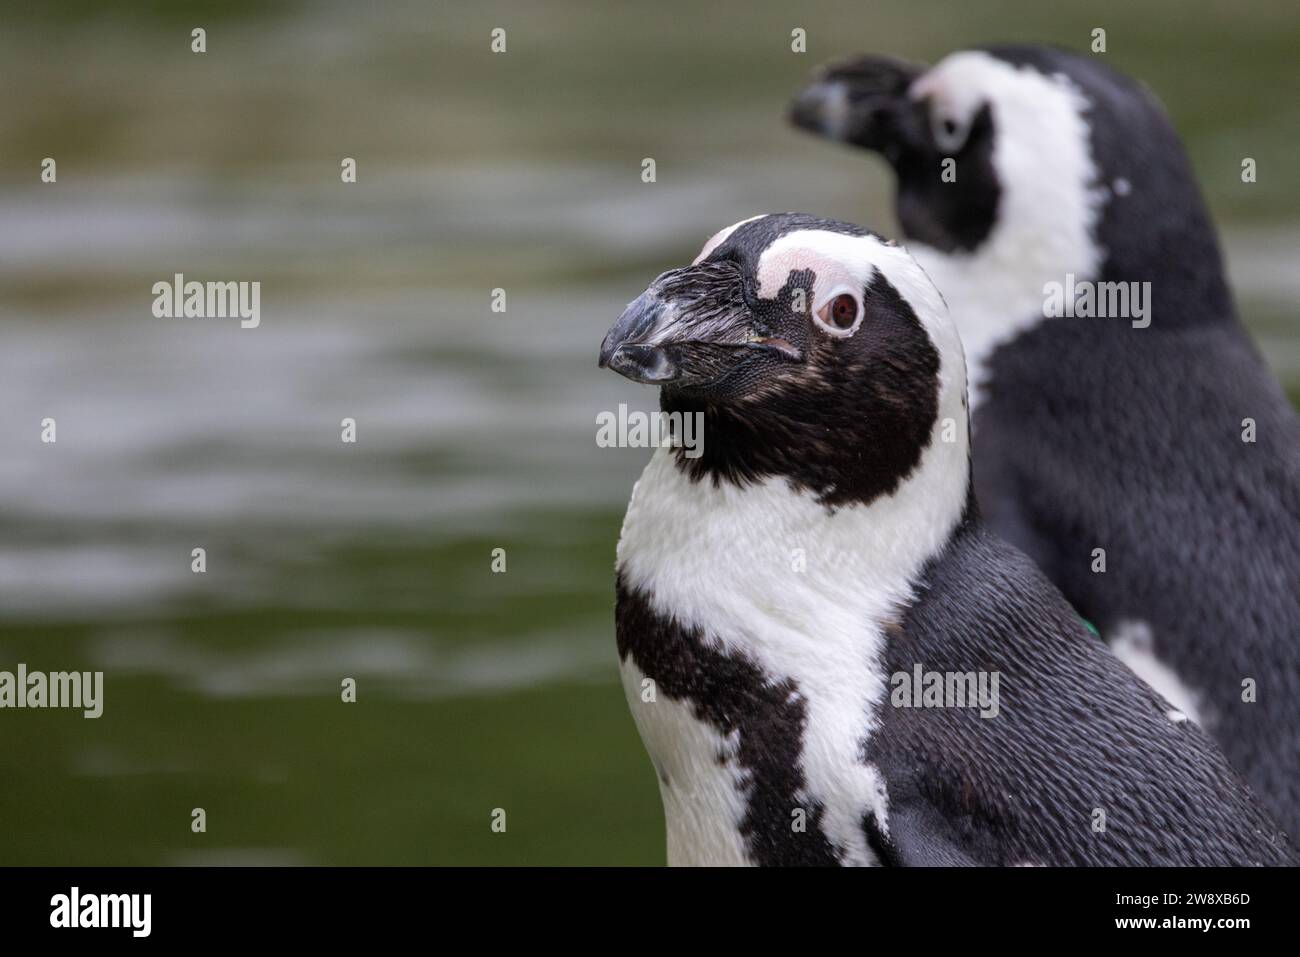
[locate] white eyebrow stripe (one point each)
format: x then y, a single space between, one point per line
844 259
721 236
835 258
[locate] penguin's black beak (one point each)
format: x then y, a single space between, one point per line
862 102
634 347
690 328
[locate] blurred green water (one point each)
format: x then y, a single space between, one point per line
476 691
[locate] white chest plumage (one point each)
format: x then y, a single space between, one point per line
804 594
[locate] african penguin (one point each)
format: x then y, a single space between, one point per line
778 592
1150 464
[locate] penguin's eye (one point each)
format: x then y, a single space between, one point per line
840 313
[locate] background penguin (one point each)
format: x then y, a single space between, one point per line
772 590
1094 433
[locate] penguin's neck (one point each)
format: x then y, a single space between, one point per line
709 550
764 574
996 292
1068 235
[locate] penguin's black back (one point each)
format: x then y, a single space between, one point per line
1076 734
1093 434
1139 451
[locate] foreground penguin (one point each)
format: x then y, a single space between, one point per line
785 596
1147 461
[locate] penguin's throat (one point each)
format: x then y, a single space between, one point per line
775 568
